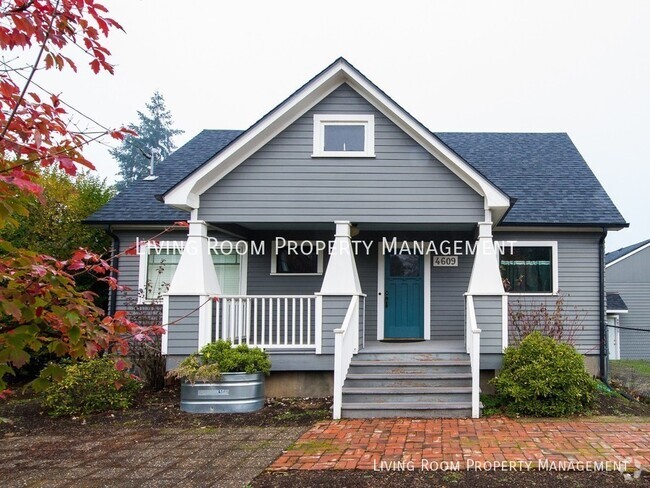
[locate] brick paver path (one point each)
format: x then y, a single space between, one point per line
365 444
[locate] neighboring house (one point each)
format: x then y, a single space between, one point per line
387 333
627 274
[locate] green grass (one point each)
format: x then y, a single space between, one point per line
640 366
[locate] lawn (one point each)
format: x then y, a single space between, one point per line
633 375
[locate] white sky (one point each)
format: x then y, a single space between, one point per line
581 67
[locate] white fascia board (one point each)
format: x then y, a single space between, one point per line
625 256
186 194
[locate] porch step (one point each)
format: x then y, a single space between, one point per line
399 380
408 384
407 409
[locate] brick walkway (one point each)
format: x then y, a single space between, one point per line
364 444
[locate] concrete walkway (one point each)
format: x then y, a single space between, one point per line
145 457
383 443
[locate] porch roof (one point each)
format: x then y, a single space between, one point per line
544 172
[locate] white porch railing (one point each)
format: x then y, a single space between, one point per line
473 343
269 322
346 345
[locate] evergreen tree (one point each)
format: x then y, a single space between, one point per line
154 131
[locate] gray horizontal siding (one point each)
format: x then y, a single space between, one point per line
282 182
448 286
184 329
631 279
489 319
578 278
334 310
367 269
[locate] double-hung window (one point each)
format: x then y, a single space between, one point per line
344 136
529 267
158 263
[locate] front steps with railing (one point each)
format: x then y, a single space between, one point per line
408 384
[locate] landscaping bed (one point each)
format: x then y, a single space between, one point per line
23 414
460 479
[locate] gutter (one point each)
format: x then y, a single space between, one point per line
604 360
112 294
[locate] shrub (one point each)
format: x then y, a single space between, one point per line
90 387
220 357
544 378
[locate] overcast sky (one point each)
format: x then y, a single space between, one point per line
581 67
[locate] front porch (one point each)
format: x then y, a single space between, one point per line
343 317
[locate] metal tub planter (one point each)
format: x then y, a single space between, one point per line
232 393
223 379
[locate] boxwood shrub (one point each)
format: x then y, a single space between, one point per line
90 387
542 377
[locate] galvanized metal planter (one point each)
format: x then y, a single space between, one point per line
233 393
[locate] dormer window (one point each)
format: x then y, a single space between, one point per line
344 136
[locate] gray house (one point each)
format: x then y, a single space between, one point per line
366 253
627 281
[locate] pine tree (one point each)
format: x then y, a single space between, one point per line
155 132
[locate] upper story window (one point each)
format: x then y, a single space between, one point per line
344 136
530 267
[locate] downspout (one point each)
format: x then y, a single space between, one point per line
604 363
115 251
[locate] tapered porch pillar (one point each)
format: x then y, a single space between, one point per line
341 276
486 276
195 280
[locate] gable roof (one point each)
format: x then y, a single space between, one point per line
624 252
615 303
539 170
186 194
138 203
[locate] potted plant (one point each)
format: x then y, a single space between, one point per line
223 379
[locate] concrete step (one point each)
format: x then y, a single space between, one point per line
409 395
362 380
404 409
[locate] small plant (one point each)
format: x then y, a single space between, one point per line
220 357
544 378
90 387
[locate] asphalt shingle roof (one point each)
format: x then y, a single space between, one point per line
545 173
137 203
619 253
615 302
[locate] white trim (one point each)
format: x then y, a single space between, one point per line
205 321
274 262
625 256
616 312
164 340
554 264
318 326
185 195
616 353
145 249
381 284
504 321
367 121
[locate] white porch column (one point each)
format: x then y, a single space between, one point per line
196 276
486 277
341 276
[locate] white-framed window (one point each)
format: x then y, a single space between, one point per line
158 263
529 267
344 136
301 259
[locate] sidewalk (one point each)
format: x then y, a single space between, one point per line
381 443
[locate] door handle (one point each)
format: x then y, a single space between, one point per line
386 300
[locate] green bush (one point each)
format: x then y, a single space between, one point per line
241 359
544 378
90 387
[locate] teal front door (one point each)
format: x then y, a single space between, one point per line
404 297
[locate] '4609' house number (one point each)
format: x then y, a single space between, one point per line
445 261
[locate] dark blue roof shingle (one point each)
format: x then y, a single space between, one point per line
615 302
